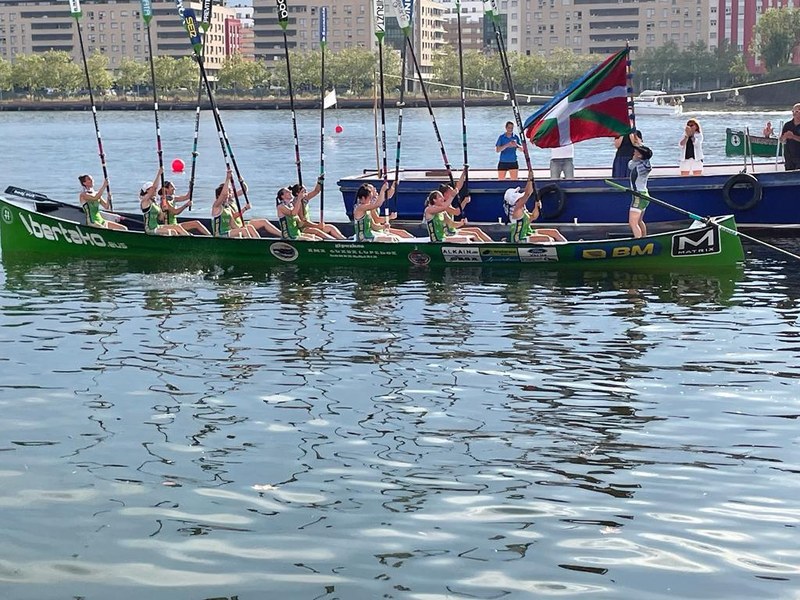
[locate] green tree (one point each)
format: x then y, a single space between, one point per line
59 72
173 74
240 74
352 69
98 72
777 34
6 81
656 66
132 73
27 72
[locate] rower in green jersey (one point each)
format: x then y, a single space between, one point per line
368 199
289 217
150 206
92 202
224 215
521 230
435 215
460 227
301 195
172 210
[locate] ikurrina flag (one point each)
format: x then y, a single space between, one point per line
596 105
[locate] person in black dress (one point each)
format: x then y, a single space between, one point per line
624 145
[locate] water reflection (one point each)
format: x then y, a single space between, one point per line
357 433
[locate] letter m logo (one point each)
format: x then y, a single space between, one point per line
695 242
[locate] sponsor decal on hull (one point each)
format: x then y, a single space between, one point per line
420 259
462 254
71 234
283 251
696 242
619 250
538 254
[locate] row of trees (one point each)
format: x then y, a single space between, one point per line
352 70
54 73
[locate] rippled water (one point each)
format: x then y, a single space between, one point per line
358 434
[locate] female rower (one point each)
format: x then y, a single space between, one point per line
223 216
289 217
459 227
151 210
436 208
368 200
92 201
168 206
520 218
303 197
383 224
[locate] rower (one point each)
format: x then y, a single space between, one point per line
520 218
224 223
92 201
368 200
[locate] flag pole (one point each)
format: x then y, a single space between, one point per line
629 88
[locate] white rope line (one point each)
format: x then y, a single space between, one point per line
681 96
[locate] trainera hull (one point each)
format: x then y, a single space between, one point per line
26 232
738 143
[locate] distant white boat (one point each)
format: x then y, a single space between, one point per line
656 102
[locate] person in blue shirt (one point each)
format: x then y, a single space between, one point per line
507 145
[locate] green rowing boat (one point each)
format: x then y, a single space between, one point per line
737 143
26 231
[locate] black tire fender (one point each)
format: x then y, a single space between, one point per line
560 201
742 180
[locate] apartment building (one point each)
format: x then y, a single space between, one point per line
350 25
115 29
602 26
735 20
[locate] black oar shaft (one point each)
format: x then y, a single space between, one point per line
159 149
291 107
94 115
430 110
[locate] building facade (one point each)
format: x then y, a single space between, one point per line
735 20
116 30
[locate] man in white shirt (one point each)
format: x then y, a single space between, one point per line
561 162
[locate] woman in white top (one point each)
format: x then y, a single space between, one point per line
692 149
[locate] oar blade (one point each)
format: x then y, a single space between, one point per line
190 23
147 11
75 8
283 14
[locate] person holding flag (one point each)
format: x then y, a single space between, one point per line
596 105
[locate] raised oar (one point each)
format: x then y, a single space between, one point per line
463 102
75 10
400 105
191 25
706 220
205 23
147 16
405 24
283 21
490 6
380 31
323 43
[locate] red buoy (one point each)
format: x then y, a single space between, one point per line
339 129
177 166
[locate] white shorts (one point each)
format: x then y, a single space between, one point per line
691 165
